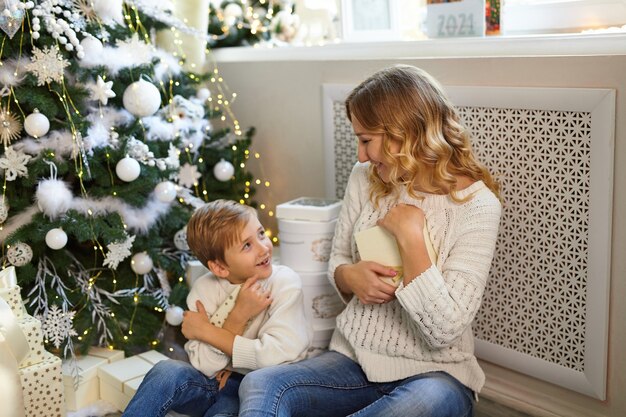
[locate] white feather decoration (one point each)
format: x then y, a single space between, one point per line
17 221
60 141
137 219
54 197
12 72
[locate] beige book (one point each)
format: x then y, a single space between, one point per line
378 245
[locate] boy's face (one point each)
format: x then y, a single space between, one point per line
251 255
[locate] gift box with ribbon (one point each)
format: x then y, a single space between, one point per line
30 376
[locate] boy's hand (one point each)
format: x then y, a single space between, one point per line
194 322
252 299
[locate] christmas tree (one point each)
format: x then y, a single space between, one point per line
109 146
245 23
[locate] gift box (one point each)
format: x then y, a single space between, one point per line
194 270
42 388
321 302
309 209
10 291
119 380
31 327
321 339
306 227
304 245
80 377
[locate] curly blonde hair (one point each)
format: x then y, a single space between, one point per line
215 227
406 104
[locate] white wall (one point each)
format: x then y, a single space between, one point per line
282 99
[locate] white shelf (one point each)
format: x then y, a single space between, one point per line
497 46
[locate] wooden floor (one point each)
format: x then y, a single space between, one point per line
487 408
484 408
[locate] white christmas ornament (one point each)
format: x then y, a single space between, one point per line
4 212
19 254
165 191
174 315
180 239
232 12
223 170
128 169
36 124
54 197
102 90
142 98
203 94
92 47
56 238
141 263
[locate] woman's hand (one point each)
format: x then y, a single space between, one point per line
363 279
404 222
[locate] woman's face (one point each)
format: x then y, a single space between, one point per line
370 148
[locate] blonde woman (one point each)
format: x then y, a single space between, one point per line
404 350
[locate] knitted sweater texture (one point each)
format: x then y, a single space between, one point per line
428 326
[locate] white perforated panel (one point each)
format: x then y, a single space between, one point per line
535 299
537 306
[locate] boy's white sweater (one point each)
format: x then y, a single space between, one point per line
428 326
280 334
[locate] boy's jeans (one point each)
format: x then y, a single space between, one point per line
332 385
178 386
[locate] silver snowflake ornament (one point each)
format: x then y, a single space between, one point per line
47 65
188 175
102 91
57 325
14 164
118 251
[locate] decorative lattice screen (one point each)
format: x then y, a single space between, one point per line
548 288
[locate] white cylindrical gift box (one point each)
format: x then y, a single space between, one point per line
321 302
305 245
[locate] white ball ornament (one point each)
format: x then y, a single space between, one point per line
180 239
174 315
91 46
203 94
128 169
223 170
142 98
36 124
19 254
56 238
165 191
141 263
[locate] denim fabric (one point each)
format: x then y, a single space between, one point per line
178 386
332 385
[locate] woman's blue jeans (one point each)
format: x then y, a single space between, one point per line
178 386
333 385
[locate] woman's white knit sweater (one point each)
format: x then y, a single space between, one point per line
428 326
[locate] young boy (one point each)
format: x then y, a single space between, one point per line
265 327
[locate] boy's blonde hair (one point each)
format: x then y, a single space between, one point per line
407 104
215 227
